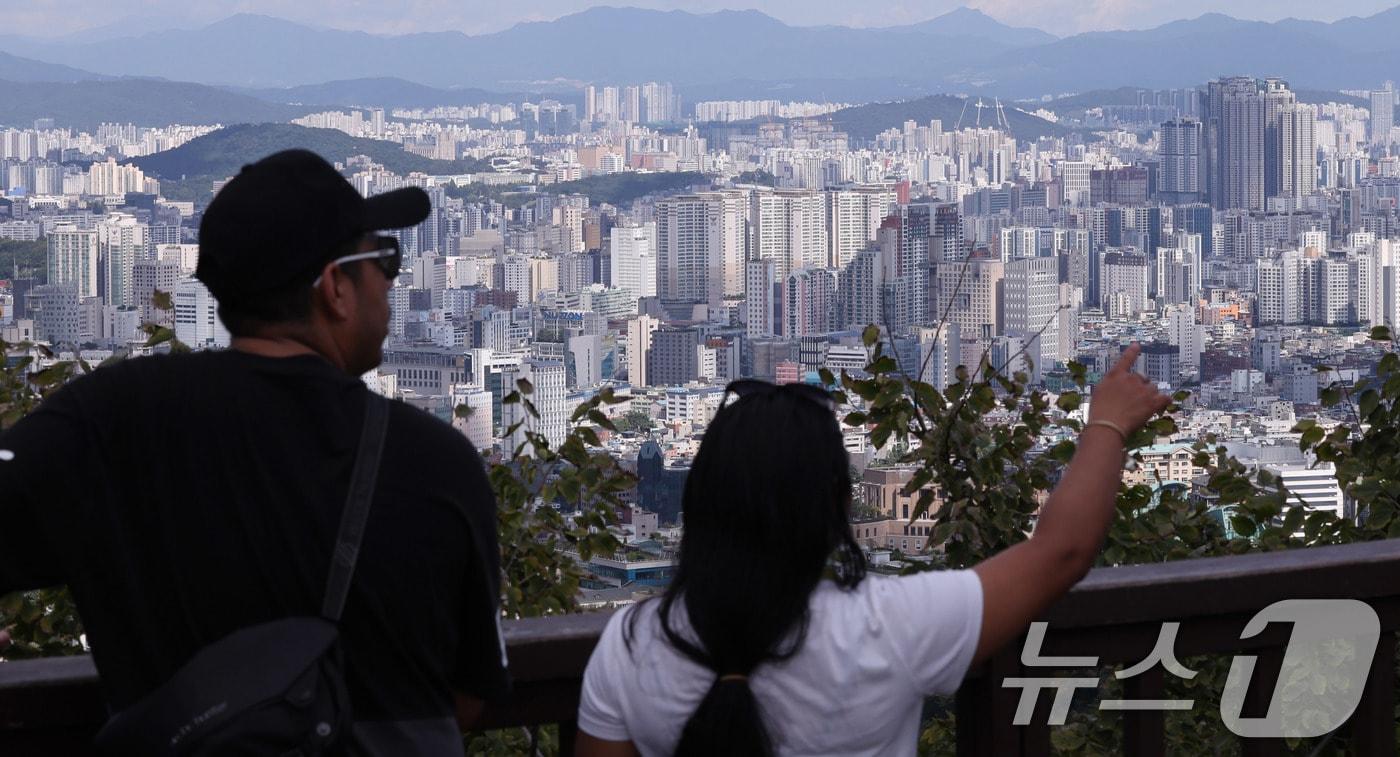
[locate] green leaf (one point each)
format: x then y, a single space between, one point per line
870 335
1381 333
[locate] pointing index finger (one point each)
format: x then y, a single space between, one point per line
1126 360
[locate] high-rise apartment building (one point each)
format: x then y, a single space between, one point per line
633 259
1382 115
809 302
789 228
1030 305
700 247
73 259
121 242
1180 151
853 218
639 333
970 293
1259 142
760 305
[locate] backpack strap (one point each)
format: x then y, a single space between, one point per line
357 504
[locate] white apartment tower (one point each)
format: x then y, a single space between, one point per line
73 259
633 259
789 228
700 246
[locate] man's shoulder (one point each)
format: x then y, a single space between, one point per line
429 435
147 371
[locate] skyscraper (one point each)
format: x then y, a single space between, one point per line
121 242
760 280
700 247
633 259
73 256
789 228
1180 150
853 220
1030 303
809 302
1382 115
1234 142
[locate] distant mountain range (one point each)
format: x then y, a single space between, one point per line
145 102
380 92
961 52
16 69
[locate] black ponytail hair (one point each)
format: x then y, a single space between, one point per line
767 513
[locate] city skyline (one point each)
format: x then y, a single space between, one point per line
90 20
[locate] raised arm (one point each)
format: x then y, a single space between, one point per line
1020 582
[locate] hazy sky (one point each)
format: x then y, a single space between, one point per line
53 17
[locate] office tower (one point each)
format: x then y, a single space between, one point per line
633 259
197 321
673 359
760 302
1074 183
947 244
789 228
1233 127
1030 306
1382 115
1125 282
853 218
73 259
700 247
969 293
809 302
550 398
915 225
639 333
148 277
1197 218
1118 186
1180 151
58 313
121 244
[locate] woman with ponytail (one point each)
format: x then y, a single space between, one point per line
770 640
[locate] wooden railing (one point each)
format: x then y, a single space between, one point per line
52 707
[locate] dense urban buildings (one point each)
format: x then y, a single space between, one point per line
1244 233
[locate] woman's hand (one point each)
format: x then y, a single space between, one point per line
1124 398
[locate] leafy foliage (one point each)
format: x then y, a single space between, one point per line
987 451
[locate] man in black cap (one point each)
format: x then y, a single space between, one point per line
184 497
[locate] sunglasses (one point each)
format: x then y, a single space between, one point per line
753 387
386 256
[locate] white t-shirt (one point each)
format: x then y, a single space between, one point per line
856 687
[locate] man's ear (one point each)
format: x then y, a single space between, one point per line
336 292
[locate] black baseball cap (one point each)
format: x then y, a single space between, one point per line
284 217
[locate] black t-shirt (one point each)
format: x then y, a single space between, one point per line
185 497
